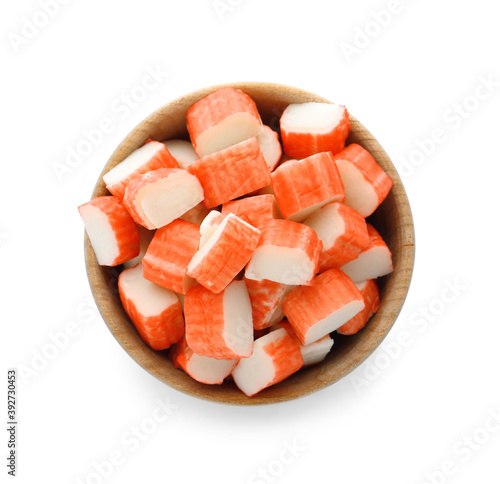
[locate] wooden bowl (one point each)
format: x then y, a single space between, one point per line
392 219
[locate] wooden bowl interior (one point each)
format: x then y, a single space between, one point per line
393 220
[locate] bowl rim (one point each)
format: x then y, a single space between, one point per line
149 359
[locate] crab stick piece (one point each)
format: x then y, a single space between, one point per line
201 368
258 209
111 230
196 215
310 128
224 118
366 183
231 173
155 311
343 232
224 254
145 238
288 252
269 143
371 296
312 353
266 298
169 253
219 325
209 226
317 310
275 357
303 186
156 198
182 151
375 261
152 156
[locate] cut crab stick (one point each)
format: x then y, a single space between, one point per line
209 226
111 230
343 232
224 254
168 255
231 173
311 128
156 198
371 296
375 261
269 143
288 252
152 156
201 368
303 186
222 119
182 151
258 209
266 298
312 353
219 325
155 311
145 238
196 215
275 357
366 183
319 309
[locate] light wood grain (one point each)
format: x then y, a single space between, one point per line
393 219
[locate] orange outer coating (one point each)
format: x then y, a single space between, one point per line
350 244
259 209
265 297
204 313
161 159
371 297
231 173
301 145
298 185
308 305
140 182
123 226
369 168
159 331
212 109
228 256
169 253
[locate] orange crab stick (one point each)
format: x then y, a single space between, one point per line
155 311
311 128
343 232
222 119
288 252
312 353
275 357
201 368
111 230
303 186
375 261
209 225
219 325
366 183
156 198
231 173
269 143
182 151
319 309
196 215
152 156
371 296
224 254
266 298
259 209
169 253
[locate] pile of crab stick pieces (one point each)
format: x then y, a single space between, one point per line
243 248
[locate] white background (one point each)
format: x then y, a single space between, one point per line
396 419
